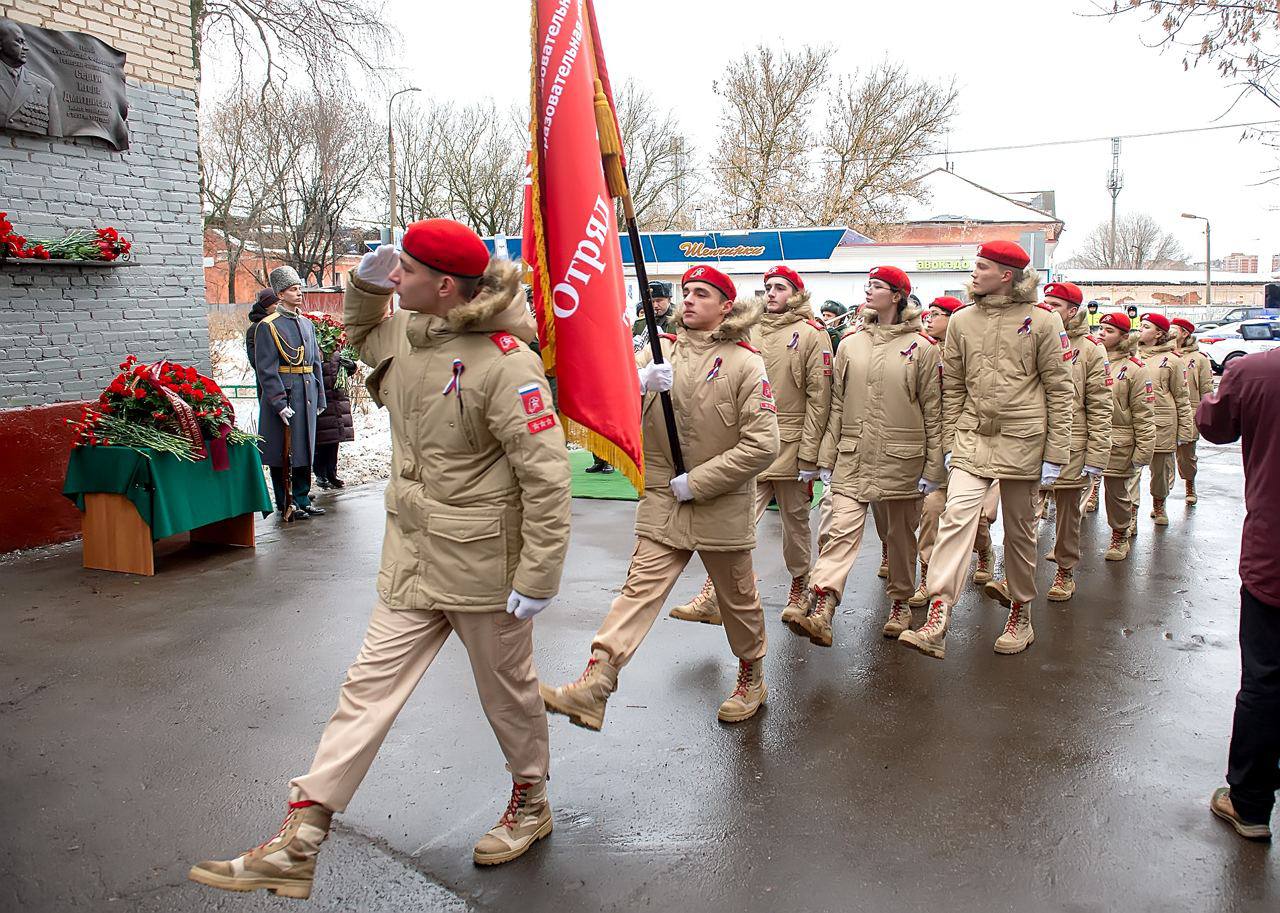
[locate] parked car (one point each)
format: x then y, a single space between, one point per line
1237 314
1235 340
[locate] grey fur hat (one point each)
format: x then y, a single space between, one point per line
283 277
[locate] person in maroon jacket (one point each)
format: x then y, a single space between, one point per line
1245 406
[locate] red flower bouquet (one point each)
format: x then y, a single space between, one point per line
13 244
104 244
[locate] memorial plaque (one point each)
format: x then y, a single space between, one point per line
61 84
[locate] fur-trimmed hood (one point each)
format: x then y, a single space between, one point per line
1159 348
745 314
911 322
1023 292
497 305
1190 346
1127 347
799 307
1079 325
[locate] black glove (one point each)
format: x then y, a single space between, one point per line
347 364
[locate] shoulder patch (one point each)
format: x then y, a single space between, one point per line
1044 307
816 325
505 342
1137 361
1093 339
929 339
271 318
670 337
749 347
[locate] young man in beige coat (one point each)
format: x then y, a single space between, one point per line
476 534
1199 385
1006 398
1090 433
797 357
728 431
883 446
1133 430
1175 421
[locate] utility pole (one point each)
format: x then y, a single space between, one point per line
1208 260
1115 181
391 166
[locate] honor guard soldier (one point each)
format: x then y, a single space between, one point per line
797 358
1199 385
1133 430
1175 422
1006 396
476 534
725 413
660 294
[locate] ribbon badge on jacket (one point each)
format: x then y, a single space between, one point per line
795 340
455 382
907 352
1122 373
1025 329
715 369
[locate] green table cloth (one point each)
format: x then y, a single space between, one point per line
171 495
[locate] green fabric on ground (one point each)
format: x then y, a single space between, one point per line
171 495
614 486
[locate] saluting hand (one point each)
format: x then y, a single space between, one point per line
523 607
376 266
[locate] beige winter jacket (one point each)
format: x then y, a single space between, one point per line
1133 428
885 431
1006 387
1091 404
1174 419
797 357
1199 378
478 499
728 434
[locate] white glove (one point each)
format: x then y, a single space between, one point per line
287 414
376 266
808 475
825 475
926 487
656 378
1092 471
523 607
1049 473
946 461
680 488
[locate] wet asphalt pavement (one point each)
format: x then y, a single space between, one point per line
149 723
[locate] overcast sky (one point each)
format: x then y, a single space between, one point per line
1027 72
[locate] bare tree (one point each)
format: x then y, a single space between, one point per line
422 189
1140 244
484 157
878 126
761 157
661 165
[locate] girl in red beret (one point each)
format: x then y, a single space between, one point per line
1175 423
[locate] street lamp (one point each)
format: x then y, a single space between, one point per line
391 163
1208 279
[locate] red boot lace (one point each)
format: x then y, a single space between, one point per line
898 609
935 614
1117 538
744 679
508 819
1060 579
284 825
587 671
1015 618
797 589
984 564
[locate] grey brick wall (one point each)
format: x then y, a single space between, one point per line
64 330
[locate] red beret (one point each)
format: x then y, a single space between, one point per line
447 247
1006 253
896 278
785 272
1066 291
1184 323
1118 320
1158 320
947 303
713 277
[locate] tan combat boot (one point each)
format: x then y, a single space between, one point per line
796 601
1064 586
704 607
1191 494
748 694
986 561
285 865
883 573
1091 503
931 637
526 821
1118 550
1132 532
899 619
1157 512
921 596
999 591
1018 634
817 621
583 701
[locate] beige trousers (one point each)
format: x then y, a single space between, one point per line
1187 462
793 507
653 572
1117 497
1161 474
882 521
1066 540
826 506
958 533
849 518
398 648
931 512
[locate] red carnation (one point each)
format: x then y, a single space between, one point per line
197 395
192 374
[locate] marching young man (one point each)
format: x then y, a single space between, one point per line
1133 430
476 534
797 358
1199 385
1006 396
1090 432
728 434
1173 416
883 445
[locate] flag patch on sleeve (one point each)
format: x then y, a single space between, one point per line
532 399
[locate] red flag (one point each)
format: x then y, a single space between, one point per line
571 242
